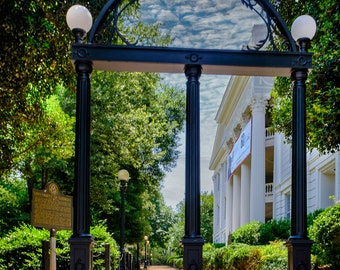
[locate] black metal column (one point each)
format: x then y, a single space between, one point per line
192 240
299 246
122 225
81 240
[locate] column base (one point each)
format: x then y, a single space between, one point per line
193 249
299 253
81 253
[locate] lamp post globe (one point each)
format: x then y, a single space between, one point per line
303 30
123 175
79 20
304 26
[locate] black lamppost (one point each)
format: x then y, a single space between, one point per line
101 53
146 242
299 246
79 19
123 177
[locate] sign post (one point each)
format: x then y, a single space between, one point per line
51 210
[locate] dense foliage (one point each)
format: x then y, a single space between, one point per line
14 207
176 231
33 59
325 232
22 248
135 119
257 233
242 256
260 246
248 234
323 85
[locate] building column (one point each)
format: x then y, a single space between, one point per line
257 184
229 188
236 200
245 193
216 208
221 196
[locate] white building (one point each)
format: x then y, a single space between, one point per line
252 165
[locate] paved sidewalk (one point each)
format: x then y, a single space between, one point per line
160 267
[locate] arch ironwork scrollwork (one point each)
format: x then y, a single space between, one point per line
107 29
275 27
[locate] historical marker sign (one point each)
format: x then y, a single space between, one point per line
51 209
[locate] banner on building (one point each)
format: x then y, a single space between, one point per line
240 150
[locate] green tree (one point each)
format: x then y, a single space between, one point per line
48 145
139 132
176 232
323 85
207 216
14 203
135 126
43 156
161 220
35 56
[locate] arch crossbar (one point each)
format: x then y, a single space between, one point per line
109 49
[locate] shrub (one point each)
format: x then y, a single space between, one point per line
274 256
22 248
175 261
242 256
219 245
247 234
234 256
257 233
218 259
325 232
208 255
159 257
274 230
312 216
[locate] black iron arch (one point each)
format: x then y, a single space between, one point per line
102 54
108 49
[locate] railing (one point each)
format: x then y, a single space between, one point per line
269 189
270 132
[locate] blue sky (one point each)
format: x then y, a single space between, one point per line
217 24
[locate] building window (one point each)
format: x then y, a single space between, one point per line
225 209
218 225
287 205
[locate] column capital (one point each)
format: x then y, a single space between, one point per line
259 103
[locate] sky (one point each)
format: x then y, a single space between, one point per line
208 24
